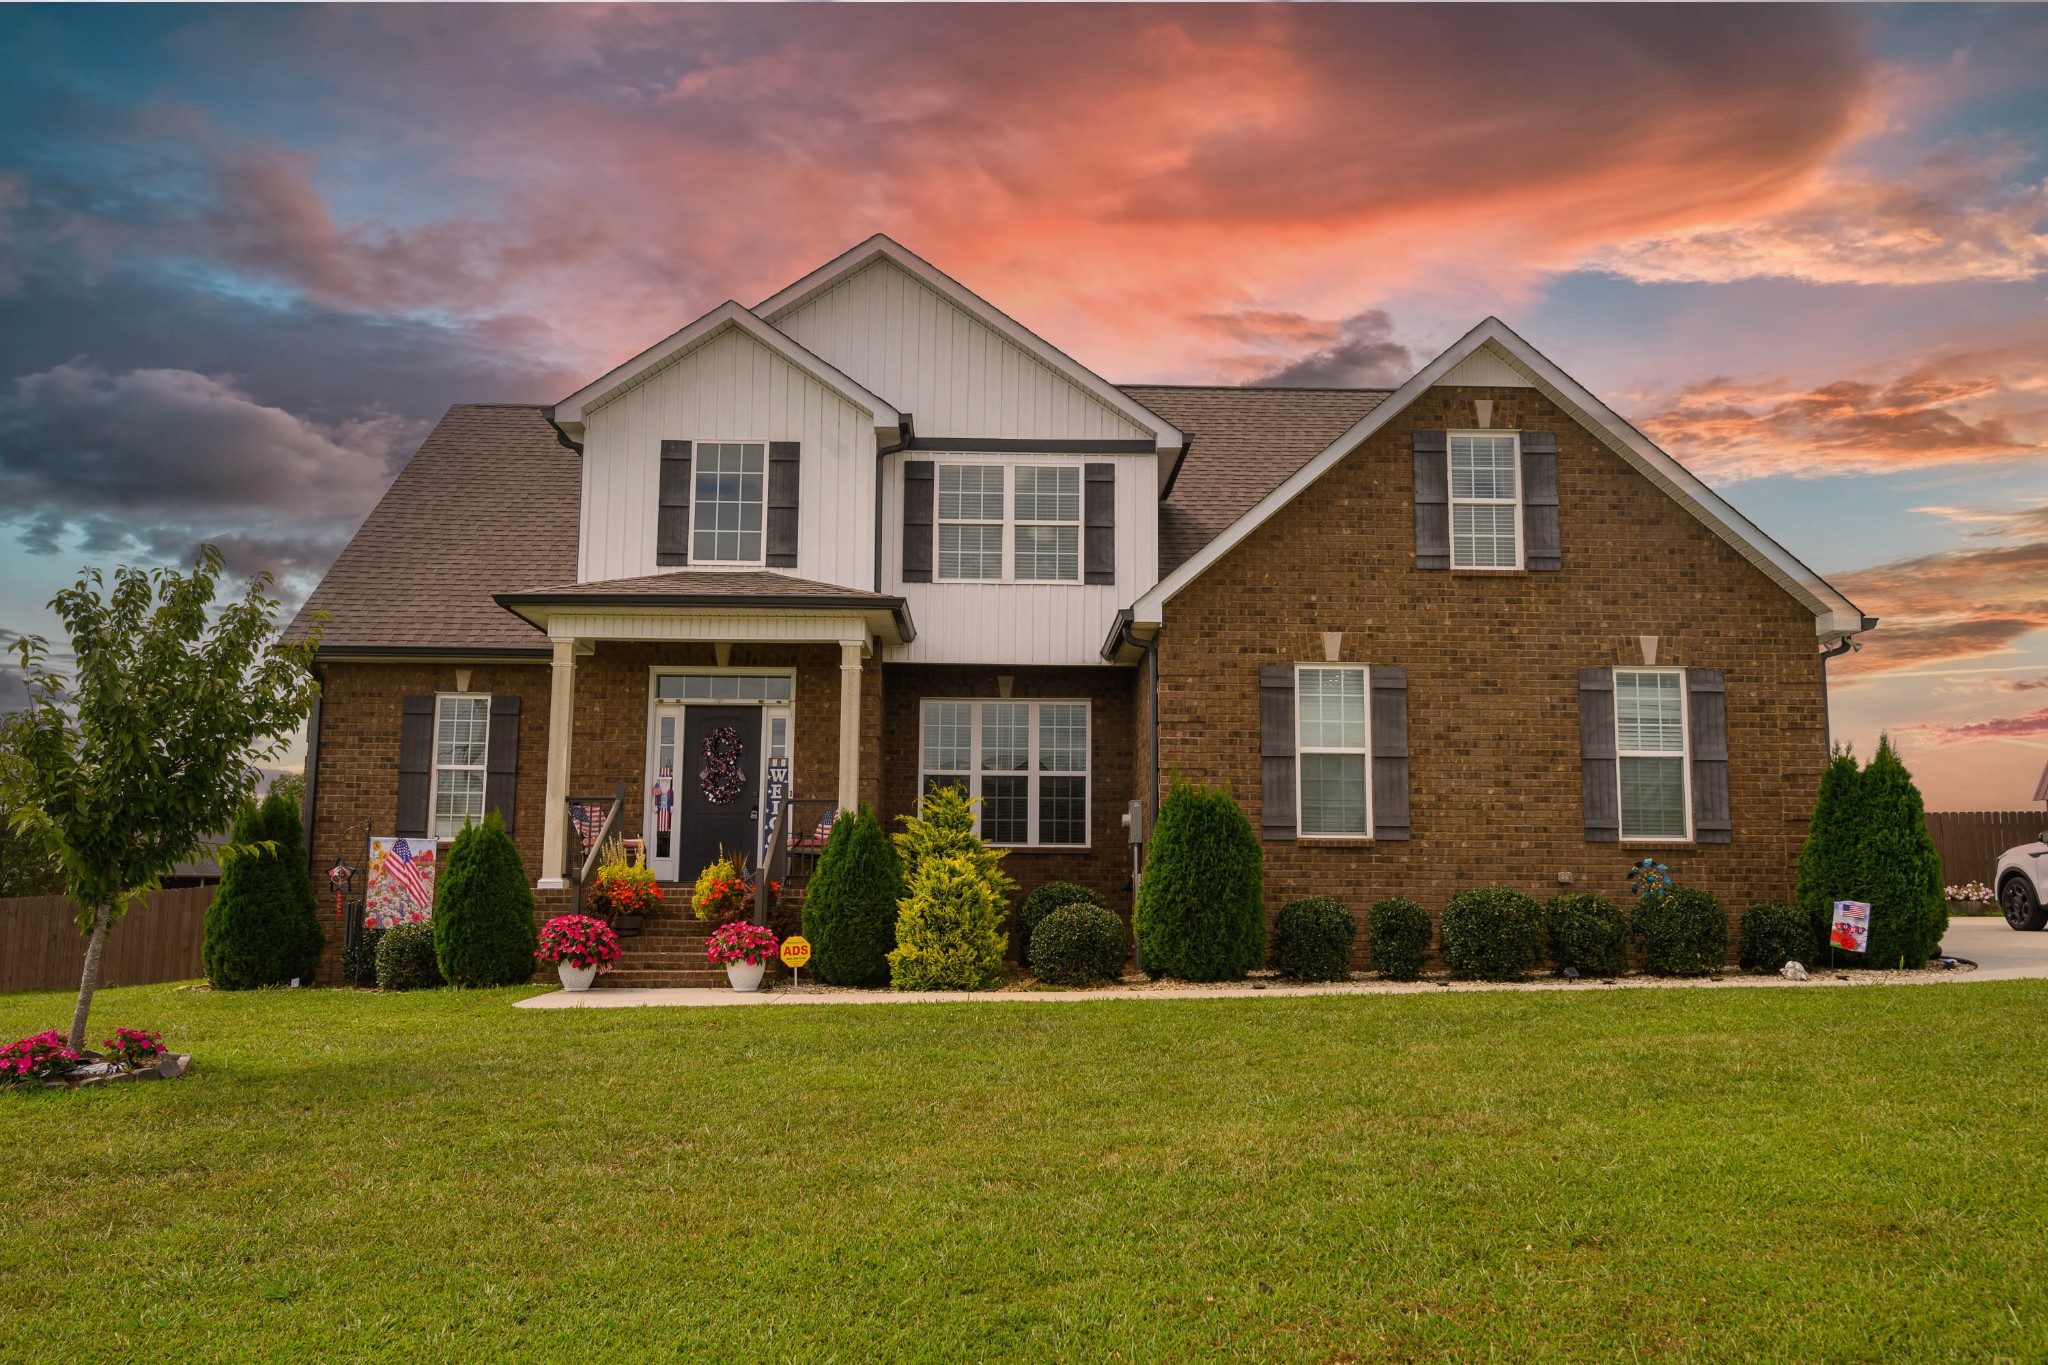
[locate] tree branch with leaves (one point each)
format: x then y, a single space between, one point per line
153 742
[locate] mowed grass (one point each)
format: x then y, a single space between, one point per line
1851 1174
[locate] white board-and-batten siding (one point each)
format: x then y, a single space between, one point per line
954 374
732 388
1023 623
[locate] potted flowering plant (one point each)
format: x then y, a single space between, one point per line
624 891
1971 898
725 891
743 949
579 947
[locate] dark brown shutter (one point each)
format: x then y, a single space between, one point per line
1432 499
1389 752
1542 549
501 760
672 525
415 766
918 488
1707 707
1276 751
1098 514
785 481
1599 777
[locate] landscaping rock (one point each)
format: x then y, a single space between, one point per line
1793 971
170 1067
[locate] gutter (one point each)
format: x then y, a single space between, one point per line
560 435
1174 473
1836 650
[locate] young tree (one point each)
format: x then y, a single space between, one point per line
1901 867
153 742
27 868
850 905
1828 863
483 910
944 827
946 935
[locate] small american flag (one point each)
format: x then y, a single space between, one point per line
398 862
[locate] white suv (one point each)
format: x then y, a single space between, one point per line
2022 883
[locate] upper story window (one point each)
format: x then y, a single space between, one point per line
462 731
727 507
1025 517
1332 756
1486 510
1650 743
1027 762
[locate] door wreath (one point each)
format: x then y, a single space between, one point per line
722 779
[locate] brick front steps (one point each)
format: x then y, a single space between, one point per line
668 952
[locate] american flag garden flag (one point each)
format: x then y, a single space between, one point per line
398 862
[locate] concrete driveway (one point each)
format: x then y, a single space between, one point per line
1999 952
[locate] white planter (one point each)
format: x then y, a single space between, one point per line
576 978
745 976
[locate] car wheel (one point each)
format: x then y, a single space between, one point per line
2022 908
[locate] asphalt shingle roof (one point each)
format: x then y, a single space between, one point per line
1245 442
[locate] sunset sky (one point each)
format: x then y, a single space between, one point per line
248 255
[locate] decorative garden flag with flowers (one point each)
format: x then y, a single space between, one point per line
401 889
1851 929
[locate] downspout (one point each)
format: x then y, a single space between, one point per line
312 764
1151 648
1835 651
561 436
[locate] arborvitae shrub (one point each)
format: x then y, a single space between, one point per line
1078 944
1684 932
1492 934
1043 902
359 961
1829 869
944 827
1773 934
850 908
262 928
1312 939
405 958
1587 932
483 910
1901 867
946 929
1201 912
1400 938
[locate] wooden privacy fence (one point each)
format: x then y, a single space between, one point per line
158 939
1971 840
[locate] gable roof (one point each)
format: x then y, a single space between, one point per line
727 316
1166 437
488 503
1834 615
1242 442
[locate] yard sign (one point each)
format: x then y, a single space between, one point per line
1851 931
401 888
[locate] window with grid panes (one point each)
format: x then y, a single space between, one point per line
1025 761
1486 512
1650 743
462 733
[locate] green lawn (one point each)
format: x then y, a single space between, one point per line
1847 1174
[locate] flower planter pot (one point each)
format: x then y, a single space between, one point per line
575 978
627 926
745 976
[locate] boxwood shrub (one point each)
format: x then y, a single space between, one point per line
359 960
1587 932
1400 938
1772 935
1684 932
1043 902
1078 944
405 958
1492 934
1312 939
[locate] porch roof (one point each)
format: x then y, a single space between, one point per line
726 595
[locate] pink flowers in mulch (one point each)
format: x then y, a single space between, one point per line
133 1046
579 941
740 941
38 1058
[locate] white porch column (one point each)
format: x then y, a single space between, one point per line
849 722
554 841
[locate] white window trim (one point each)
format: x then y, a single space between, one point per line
436 767
771 707
1031 772
696 465
1684 756
1300 749
1010 462
1454 501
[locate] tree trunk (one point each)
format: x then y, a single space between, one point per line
90 981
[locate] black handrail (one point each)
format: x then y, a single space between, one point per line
579 874
773 864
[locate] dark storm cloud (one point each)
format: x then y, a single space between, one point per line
1363 356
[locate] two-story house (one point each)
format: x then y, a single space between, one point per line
871 534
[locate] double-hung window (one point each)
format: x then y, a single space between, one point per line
970 521
462 732
1332 751
726 519
1649 738
1023 518
1027 762
1486 510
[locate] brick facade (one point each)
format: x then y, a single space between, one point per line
1492 661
